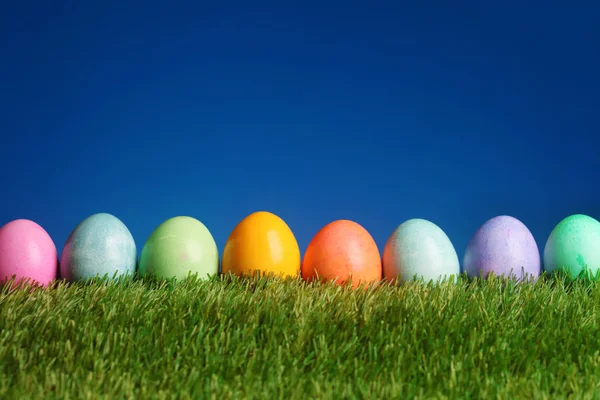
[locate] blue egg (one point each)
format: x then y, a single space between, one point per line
419 249
100 246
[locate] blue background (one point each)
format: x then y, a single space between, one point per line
377 112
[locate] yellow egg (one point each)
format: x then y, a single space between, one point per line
262 242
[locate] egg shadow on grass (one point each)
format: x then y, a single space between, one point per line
152 282
117 279
504 282
11 285
451 279
561 279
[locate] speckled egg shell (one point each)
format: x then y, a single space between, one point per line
504 246
419 249
340 251
574 246
28 253
99 246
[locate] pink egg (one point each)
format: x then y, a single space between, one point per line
27 252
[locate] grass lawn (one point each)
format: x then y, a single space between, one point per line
232 338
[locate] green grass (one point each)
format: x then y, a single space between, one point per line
231 338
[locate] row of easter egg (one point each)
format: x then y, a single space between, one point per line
101 245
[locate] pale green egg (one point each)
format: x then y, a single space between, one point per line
574 247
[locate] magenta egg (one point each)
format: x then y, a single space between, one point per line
505 247
27 252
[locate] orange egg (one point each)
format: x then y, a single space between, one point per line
262 242
340 251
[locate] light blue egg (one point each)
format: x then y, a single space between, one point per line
419 249
101 245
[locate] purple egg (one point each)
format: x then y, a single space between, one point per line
505 247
